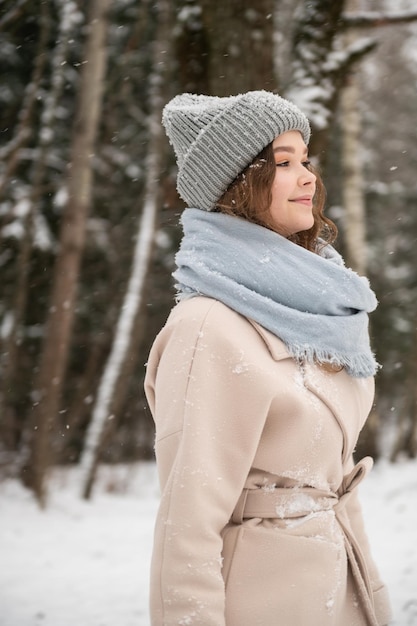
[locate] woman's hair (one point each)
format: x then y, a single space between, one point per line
250 196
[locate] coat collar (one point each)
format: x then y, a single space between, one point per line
276 346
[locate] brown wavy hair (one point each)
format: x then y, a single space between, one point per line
250 196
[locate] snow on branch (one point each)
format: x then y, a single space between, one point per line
374 19
313 91
338 60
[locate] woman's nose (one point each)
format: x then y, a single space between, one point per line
307 177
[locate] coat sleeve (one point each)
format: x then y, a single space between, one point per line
210 407
380 592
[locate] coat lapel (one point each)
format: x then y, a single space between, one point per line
348 398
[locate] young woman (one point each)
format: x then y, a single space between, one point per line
259 384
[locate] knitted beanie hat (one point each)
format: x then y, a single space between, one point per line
215 138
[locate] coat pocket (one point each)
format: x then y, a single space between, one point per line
271 572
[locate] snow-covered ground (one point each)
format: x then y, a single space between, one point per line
86 563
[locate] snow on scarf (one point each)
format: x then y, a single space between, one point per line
313 303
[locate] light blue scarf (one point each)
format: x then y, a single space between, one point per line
313 303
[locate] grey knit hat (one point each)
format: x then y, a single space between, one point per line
215 138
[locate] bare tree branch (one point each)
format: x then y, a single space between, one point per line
375 19
13 14
10 154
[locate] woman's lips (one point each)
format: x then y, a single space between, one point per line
306 200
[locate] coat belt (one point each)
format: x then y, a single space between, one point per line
288 503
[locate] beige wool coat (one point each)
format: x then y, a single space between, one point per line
259 522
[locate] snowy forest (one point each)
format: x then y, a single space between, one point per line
89 211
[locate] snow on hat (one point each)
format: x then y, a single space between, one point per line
215 138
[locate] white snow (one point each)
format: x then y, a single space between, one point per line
87 563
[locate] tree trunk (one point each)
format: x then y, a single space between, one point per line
352 167
131 308
191 47
225 48
241 45
49 380
319 67
354 210
406 434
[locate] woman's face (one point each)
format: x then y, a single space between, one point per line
293 187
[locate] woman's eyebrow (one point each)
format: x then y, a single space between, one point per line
287 149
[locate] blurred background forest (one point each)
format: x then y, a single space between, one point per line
89 212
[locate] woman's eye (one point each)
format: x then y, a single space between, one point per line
306 164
